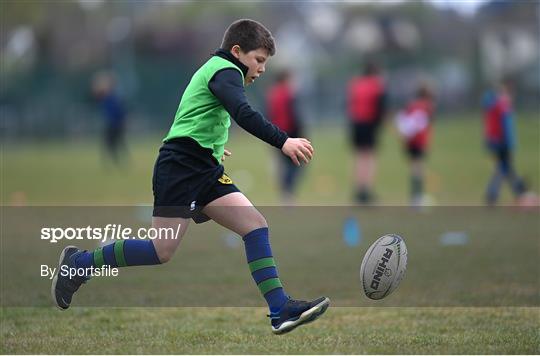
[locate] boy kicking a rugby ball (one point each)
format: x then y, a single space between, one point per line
189 181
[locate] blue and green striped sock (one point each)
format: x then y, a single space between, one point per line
120 254
263 268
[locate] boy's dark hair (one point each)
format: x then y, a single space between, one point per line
507 83
371 68
249 35
424 91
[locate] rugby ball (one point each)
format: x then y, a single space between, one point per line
383 266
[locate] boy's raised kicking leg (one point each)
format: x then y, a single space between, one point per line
235 212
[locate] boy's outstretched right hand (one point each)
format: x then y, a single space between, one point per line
298 149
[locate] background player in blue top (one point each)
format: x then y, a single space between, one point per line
114 113
501 141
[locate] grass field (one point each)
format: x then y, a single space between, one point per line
481 297
240 330
458 168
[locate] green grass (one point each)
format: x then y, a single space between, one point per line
431 312
242 331
498 267
458 168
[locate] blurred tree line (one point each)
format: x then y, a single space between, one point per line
52 49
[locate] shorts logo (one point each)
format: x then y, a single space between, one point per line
225 179
192 206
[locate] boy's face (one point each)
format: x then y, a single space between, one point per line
255 61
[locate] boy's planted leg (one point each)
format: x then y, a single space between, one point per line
235 212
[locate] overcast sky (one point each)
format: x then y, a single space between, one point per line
466 7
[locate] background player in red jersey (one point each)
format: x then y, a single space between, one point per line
282 110
366 105
415 124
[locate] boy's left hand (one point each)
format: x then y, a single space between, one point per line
298 150
226 153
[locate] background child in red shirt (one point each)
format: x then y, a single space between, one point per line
415 124
366 105
282 108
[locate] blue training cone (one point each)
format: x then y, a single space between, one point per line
352 234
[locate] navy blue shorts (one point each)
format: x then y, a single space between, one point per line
186 178
415 152
364 134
